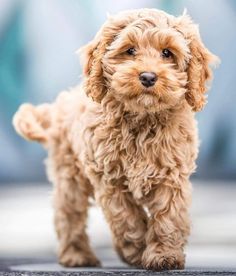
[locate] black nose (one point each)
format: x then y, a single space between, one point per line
148 78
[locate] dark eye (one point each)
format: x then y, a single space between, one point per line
131 51
166 53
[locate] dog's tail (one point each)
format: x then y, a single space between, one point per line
33 122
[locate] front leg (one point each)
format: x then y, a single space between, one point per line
168 227
127 222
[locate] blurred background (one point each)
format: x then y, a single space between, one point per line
38 40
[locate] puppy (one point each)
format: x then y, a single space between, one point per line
131 143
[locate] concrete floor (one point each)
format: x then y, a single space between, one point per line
28 243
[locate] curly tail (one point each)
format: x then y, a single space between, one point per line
33 122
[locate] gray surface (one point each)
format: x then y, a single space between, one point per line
28 243
50 267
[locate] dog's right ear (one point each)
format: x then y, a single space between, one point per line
92 54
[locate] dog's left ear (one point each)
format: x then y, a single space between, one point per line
199 68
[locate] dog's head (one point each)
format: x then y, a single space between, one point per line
148 60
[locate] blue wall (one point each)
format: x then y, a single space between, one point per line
38 40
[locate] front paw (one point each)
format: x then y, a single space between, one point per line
130 254
74 257
166 260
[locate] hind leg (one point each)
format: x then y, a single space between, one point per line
71 194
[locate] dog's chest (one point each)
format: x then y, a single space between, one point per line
138 156
143 159
148 155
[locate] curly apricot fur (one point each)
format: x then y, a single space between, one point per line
132 148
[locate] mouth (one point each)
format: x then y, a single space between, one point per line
148 91
152 97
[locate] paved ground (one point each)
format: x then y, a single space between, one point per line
27 240
49 266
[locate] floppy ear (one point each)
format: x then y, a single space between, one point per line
199 73
95 83
199 67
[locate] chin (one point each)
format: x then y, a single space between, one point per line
150 102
